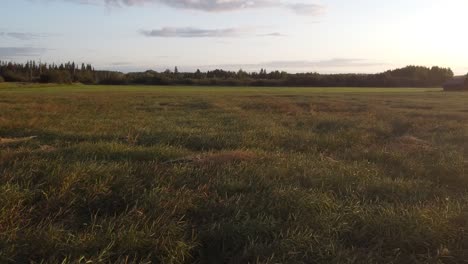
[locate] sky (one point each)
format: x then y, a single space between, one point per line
326 36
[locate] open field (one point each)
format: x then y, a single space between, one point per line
123 174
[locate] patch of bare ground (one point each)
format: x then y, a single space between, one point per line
47 148
328 158
411 140
409 143
6 141
218 158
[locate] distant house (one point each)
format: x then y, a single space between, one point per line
457 83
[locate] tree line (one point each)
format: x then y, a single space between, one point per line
410 76
47 73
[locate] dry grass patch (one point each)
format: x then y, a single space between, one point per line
409 143
5 141
275 106
227 157
218 158
339 107
47 148
411 140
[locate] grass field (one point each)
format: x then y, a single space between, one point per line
103 174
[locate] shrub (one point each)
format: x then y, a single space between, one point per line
1 79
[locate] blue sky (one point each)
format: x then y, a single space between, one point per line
327 36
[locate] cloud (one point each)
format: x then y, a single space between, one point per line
192 32
331 65
120 63
337 62
214 5
307 9
21 35
273 34
12 52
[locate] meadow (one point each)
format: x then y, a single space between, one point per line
149 174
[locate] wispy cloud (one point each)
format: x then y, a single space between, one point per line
217 5
336 62
12 52
307 9
21 35
120 63
272 34
192 32
214 5
331 65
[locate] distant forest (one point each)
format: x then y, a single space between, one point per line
410 76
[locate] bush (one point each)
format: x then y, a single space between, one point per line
1 79
56 77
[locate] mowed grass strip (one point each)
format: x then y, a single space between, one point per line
224 175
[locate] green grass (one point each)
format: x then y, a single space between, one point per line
54 88
124 174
